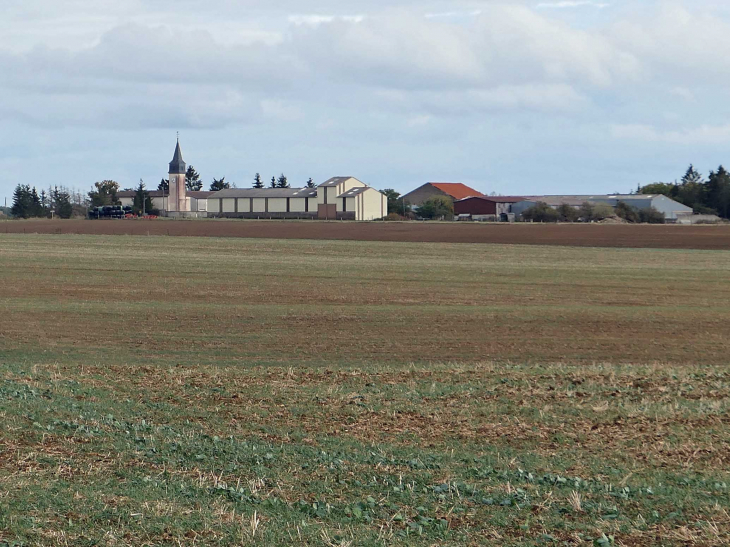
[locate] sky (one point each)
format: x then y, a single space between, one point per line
520 97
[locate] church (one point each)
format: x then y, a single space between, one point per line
339 198
177 201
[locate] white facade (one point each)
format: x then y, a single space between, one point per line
340 198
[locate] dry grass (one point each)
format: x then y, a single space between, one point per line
249 392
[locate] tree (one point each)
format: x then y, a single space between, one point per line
22 201
567 213
627 212
540 212
142 203
192 180
62 206
257 182
691 189
105 193
310 183
718 192
37 209
218 185
164 186
436 207
602 211
272 184
663 188
282 182
395 203
650 215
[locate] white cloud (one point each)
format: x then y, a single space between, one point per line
702 135
315 20
401 82
571 4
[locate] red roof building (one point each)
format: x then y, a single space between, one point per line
453 190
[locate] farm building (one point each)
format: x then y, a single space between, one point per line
486 207
453 190
195 201
671 209
339 198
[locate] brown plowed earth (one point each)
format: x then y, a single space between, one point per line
582 235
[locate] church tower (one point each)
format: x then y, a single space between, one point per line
177 202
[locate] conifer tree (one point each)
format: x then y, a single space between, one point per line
218 185
310 183
22 201
272 184
192 180
282 182
257 182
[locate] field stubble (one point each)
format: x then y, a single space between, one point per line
216 392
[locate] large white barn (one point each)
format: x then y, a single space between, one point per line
339 198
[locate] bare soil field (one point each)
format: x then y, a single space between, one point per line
580 235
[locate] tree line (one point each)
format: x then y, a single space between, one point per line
711 196
59 201
591 212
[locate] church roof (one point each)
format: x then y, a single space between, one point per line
177 165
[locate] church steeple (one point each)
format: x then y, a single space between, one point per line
177 165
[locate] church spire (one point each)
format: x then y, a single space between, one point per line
177 165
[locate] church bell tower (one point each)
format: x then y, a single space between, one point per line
177 201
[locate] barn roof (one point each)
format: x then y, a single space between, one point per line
161 194
267 193
355 192
456 190
334 181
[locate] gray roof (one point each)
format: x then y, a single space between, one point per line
266 193
162 194
355 192
334 181
177 165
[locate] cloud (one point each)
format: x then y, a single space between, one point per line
315 20
702 135
571 4
401 79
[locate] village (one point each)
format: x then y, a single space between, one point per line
347 198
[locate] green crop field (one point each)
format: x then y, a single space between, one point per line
191 391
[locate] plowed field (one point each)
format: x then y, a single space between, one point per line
582 235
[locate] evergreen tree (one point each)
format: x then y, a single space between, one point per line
691 190
22 201
272 184
192 180
142 203
62 207
257 182
282 182
218 185
164 186
37 209
310 183
718 192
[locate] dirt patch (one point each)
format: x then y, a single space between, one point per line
582 235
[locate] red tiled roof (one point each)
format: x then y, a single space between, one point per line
455 189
